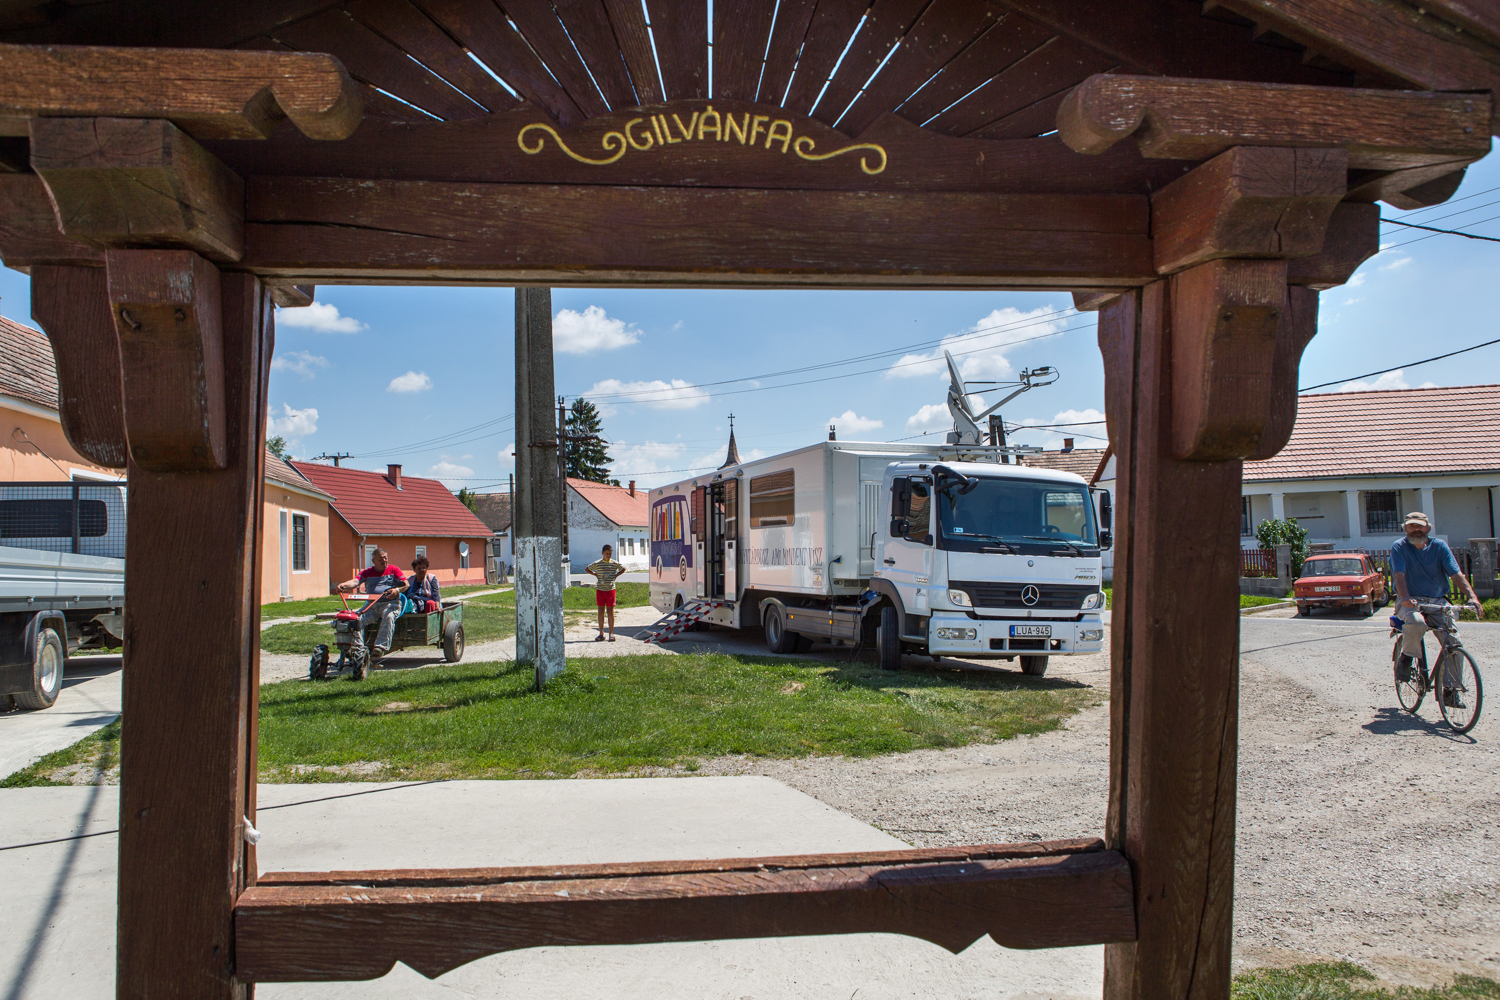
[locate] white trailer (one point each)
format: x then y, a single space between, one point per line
932 549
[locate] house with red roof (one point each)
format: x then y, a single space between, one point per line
600 514
1358 462
406 516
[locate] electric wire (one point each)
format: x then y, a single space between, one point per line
1412 364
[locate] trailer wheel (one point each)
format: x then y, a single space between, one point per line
888 639
1035 666
453 642
778 639
46 672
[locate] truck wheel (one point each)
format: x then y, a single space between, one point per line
1034 666
453 642
778 639
46 672
888 639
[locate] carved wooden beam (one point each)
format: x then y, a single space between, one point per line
1095 299
28 228
292 296
1225 315
1250 201
208 93
1352 237
1414 187
1298 325
72 305
1196 119
356 925
128 182
170 327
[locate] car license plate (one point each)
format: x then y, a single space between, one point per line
1045 631
1327 590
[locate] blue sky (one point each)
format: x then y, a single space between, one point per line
441 360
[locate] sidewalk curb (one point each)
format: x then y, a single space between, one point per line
1267 607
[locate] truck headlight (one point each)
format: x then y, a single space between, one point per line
1090 635
957 633
960 598
1093 600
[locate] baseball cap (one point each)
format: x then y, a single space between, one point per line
1417 517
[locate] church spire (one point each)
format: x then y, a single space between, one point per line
733 458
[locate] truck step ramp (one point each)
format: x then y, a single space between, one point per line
680 620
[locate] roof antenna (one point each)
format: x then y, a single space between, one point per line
965 421
335 457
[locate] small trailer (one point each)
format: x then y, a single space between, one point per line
932 549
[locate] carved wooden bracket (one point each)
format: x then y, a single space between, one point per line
1195 119
1299 322
166 307
208 93
292 296
28 228
357 925
72 304
1225 316
1352 237
1250 201
130 182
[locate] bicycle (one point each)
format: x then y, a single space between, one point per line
1462 692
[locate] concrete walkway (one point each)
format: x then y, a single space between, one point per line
89 700
60 892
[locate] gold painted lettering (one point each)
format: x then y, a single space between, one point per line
703 128
731 127
756 128
776 133
631 136
656 126
666 129
687 133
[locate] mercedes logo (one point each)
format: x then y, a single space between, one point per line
1030 595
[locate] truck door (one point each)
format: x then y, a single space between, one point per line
907 560
731 538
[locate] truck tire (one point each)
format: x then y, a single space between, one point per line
453 642
778 639
1034 666
46 672
888 639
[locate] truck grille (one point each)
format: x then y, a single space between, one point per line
1050 597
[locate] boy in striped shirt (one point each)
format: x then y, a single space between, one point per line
606 571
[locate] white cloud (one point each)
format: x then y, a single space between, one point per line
450 473
298 362
659 395
591 330
1398 262
978 354
1390 380
293 424
1051 438
852 423
932 417
507 456
1350 302
649 463
1357 280
410 382
320 317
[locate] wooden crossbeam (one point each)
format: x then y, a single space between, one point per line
208 93
1195 119
356 925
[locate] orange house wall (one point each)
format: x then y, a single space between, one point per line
314 581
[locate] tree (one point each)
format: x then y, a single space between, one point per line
466 497
1273 532
588 453
277 447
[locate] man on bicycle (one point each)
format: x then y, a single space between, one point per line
1421 566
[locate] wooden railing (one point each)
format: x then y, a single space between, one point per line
1257 562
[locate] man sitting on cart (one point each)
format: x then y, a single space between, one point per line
388 581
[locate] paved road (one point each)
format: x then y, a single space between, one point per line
90 700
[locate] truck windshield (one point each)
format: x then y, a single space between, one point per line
1018 511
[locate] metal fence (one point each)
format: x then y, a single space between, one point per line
81 518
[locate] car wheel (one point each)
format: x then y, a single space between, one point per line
888 639
46 672
1034 666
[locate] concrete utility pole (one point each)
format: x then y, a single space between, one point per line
538 511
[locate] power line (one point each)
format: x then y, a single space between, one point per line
1412 364
1450 232
1455 232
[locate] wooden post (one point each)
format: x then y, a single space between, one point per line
538 513
191 649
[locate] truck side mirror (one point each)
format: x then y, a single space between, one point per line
1106 539
899 527
1106 512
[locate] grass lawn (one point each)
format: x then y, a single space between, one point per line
1246 601
1346 981
613 715
492 616
95 757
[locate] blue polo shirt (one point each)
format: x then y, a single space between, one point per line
1427 569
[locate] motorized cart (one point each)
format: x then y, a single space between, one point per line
443 627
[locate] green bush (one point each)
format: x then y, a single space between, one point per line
1273 532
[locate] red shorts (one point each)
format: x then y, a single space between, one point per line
604 598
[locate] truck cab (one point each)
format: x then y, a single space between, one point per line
988 561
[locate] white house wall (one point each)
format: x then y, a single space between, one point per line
1462 507
589 531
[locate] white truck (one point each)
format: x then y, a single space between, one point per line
62 582
931 549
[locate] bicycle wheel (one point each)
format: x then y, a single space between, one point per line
1409 691
1466 694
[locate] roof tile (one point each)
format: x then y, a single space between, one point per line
27 370
615 502
373 506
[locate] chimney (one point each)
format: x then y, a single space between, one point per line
1067 447
632 487
393 473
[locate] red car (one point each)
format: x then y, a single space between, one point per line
1339 580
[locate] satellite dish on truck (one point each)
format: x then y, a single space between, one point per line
966 428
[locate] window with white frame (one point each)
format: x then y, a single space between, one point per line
421 550
299 543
